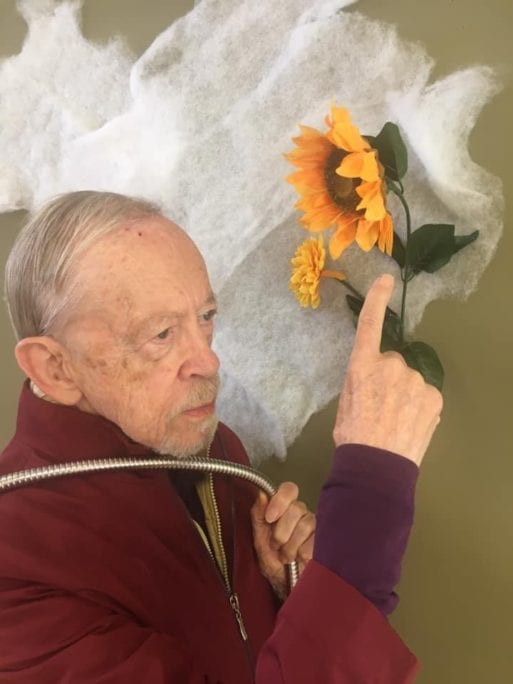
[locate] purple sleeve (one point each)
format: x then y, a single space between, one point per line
364 518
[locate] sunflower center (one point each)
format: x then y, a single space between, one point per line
341 190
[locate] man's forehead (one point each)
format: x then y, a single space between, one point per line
150 235
138 250
145 269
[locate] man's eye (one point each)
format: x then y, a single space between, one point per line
209 315
164 334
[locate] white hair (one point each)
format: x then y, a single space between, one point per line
37 287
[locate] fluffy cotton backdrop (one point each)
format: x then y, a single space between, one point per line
199 123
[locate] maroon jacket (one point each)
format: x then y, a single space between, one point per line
104 579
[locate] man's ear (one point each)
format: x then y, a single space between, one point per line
44 361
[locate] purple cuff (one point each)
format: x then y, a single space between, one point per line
364 519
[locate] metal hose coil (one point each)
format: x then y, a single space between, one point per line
22 478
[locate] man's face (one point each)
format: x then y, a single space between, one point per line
140 337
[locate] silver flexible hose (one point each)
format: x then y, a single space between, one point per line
22 478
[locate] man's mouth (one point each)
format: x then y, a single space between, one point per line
201 411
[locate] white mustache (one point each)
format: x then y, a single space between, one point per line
204 392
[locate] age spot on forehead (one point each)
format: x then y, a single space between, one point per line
129 229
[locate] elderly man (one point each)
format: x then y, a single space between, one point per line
143 576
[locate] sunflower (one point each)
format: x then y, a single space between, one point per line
340 182
307 271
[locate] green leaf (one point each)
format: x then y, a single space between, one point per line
391 337
392 151
355 304
422 357
432 246
461 241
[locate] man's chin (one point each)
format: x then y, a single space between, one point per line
191 441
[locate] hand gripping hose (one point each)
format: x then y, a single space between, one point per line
23 478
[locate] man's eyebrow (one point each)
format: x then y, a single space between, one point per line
211 299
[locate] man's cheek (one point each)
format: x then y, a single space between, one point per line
137 369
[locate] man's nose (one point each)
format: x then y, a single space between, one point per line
200 357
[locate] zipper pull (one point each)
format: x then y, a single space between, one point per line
234 602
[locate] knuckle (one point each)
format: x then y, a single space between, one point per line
306 525
280 536
440 402
394 361
299 529
301 507
435 398
288 554
416 379
305 551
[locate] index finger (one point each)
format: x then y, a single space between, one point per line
367 341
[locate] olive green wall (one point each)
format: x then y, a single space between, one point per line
457 589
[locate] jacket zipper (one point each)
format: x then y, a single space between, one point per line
232 596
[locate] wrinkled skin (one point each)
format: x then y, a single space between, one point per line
140 339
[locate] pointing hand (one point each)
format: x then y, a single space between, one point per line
383 402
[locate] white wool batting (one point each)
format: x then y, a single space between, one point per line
199 123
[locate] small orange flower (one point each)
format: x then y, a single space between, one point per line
340 183
307 271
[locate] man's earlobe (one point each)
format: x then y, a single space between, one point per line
42 359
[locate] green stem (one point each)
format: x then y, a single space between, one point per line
398 192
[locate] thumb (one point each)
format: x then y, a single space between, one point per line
258 509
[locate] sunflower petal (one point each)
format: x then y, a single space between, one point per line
351 166
309 133
370 168
386 235
315 202
359 165
343 133
321 219
343 236
307 182
373 200
308 156
339 116
367 234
